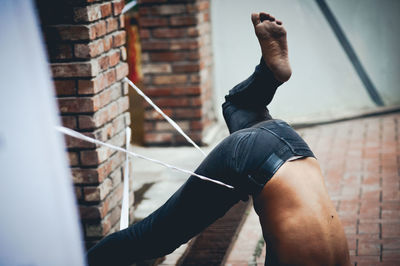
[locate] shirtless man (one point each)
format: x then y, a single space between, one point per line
263 158
299 222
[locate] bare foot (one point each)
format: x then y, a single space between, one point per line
272 37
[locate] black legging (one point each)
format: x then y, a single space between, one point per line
246 160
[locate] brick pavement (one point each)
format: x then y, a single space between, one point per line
360 160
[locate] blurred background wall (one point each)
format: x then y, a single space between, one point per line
324 84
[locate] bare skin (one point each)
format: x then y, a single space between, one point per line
299 222
272 38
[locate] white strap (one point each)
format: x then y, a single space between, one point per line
124 220
175 125
78 135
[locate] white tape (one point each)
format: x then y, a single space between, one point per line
78 135
124 220
172 122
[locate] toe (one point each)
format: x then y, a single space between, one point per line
255 18
266 16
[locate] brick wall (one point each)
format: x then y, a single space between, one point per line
85 42
177 67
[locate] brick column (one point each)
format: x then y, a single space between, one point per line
177 67
85 41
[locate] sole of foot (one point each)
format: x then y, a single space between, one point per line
272 38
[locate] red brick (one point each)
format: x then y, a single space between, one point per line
391 255
195 136
110 76
109 95
117 7
193 55
185 67
121 22
169 9
196 125
107 42
78 192
78 105
153 22
195 79
183 20
74 143
99 28
184 44
391 210
98 193
111 24
119 38
114 202
89 50
206 16
156 68
169 79
154 115
69 121
65 87
97 175
391 230
168 33
370 228
76 69
390 244
85 176
73 158
87 13
60 51
97 229
105 9
159 138
123 53
172 102
148 126
104 115
93 212
96 84
121 70
104 62
114 58
152 45
125 88
187 113
71 32
176 90
144 34
109 130
365 260
168 56
193 32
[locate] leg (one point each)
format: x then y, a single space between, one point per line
191 209
246 103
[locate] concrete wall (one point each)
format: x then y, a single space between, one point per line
324 84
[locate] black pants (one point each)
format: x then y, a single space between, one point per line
247 159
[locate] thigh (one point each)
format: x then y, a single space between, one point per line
192 208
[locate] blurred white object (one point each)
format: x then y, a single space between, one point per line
124 220
39 222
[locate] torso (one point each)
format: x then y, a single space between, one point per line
299 221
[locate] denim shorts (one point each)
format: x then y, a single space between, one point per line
256 153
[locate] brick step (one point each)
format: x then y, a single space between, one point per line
249 246
211 246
